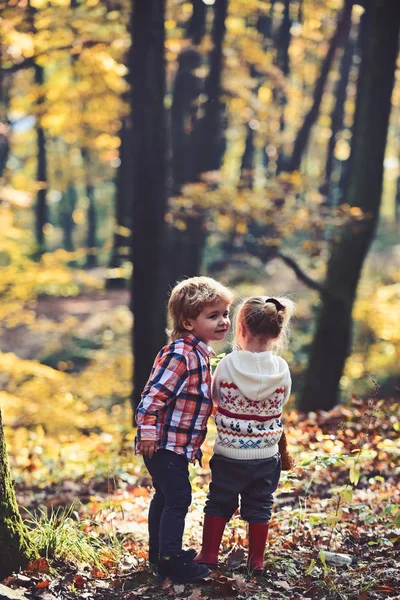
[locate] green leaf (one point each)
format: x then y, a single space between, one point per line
310 567
354 476
346 494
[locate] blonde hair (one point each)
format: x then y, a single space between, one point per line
266 318
189 297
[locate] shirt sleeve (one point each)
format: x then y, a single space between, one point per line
167 380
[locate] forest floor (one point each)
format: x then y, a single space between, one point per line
90 503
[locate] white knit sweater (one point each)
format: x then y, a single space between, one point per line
250 389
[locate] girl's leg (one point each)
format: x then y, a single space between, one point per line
256 507
222 501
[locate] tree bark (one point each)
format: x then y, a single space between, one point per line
210 128
303 135
331 344
16 548
121 250
197 25
41 170
66 209
147 78
338 112
41 213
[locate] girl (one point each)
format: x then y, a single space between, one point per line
249 386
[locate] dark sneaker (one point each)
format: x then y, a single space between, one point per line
181 570
154 560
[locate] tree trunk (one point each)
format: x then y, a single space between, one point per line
5 129
41 171
210 128
247 166
66 209
338 112
197 25
147 78
91 260
187 89
300 144
121 250
16 549
331 344
41 213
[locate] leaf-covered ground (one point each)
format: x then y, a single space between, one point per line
342 497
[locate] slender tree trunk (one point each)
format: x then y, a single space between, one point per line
247 166
41 213
147 78
66 210
121 250
5 129
92 227
210 130
283 40
331 344
197 25
41 172
338 111
303 135
16 548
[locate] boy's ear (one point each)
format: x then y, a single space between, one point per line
187 325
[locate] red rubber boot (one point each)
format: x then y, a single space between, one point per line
258 533
213 529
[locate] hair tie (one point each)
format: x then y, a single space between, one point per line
278 305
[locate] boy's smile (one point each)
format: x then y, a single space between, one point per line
212 324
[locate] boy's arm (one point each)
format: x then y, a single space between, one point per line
167 381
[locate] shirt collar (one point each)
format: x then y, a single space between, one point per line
202 346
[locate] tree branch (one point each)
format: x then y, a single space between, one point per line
311 283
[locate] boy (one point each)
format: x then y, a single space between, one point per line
172 418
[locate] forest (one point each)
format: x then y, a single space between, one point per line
143 142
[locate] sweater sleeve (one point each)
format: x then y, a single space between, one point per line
215 389
288 387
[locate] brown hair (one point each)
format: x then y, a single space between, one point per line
190 296
265 317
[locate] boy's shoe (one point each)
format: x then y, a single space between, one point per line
181 570
154 560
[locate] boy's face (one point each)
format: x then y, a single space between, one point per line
212 324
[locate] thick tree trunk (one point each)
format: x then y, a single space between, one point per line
16 549
300 144
147 78
331 343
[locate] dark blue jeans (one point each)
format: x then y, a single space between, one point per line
254 481
170 503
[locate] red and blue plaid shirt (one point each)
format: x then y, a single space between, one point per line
176 402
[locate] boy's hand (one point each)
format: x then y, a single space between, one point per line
147 447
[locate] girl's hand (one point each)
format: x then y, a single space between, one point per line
147 447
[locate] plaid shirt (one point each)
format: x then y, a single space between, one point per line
176 402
